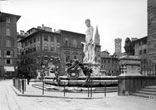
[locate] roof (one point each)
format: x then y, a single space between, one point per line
38 31
70 32
138 40
8 14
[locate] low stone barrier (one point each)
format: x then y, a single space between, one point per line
130 84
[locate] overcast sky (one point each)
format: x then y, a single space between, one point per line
115 18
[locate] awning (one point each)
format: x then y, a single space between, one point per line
9 68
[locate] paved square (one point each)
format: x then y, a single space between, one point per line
10 101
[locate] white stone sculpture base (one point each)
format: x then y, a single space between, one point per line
96 70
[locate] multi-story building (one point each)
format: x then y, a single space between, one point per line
151 39
110 64
8 44
140 47
141 50
42 41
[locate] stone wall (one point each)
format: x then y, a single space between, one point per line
130 84
151 16
152 29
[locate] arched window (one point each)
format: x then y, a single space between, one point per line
46 47
8 33
74 43
66 42
52 47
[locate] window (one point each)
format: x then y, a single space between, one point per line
46 47
52 48
75 57
144 51
8 33
45 38
8 43
144 41
108 61
140 52
104 61
34 40
74 43
8 61
30 41
57 47
8 20
8 53
38 45
66 42
99 61
34 49
95 59
101 66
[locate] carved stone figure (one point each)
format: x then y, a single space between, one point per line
129 47
75 68
88 45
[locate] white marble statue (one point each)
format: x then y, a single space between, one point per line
90 41
88 45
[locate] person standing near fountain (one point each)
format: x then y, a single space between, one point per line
88 45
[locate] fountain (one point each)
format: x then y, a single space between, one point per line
83 74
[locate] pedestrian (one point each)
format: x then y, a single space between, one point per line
28 78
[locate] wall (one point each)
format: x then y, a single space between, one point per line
152 29
130 84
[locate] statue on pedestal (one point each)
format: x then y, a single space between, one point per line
130 63
91 48
90 42
129 47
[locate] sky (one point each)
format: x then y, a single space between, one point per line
114 18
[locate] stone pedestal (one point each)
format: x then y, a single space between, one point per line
130 71
130 65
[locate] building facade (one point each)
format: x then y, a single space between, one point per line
8 44
109 64
148 65
140 47
41 42
152 29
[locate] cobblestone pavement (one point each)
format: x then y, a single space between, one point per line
10 101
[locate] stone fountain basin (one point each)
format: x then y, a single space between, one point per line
96 81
